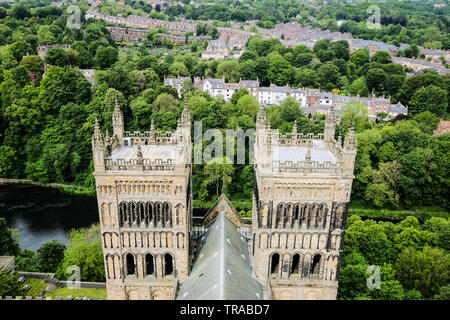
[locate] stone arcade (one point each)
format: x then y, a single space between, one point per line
144 197
292 250
301 192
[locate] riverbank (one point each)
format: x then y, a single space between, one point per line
243 207
65 188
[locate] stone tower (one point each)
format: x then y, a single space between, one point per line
143 182
301 194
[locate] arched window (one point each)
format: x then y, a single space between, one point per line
339 220
150 213
168 264
275 264
157 214
295 217
177 216
130 264
140 217
295 267
321 217
167 216
279 216
316 265
132 209
149 264
122 213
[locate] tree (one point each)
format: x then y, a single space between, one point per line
328 75
247 70
341 49
352 276
279 71
414 175
178 69
248 55
238 94
390 287
382 190
443 294
356 113
8 283
63 85
426 270
248 105
303 59
290 109
57 57
381 57
218 172
440 227
370 239
228 69
360 57
304 77
376 79
8 160
430 98
34 65
414 238
85 254
50 256
8 245
106 56
166 102
359 87
426 121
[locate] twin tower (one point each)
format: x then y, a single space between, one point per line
144 192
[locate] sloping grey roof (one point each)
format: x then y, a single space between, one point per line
222 269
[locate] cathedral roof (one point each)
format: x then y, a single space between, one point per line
222 269
223 205
151 152
319 153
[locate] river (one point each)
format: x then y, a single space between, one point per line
42 214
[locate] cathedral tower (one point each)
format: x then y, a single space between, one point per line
302 189
143 182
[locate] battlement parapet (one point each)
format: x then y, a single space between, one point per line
308 167
299 139
148 137
139 165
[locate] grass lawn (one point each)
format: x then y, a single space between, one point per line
36 286
82 292
360 208
39 284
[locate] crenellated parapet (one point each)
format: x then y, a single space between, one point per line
147 151
306 154
139 165
149 137
308 167
299 139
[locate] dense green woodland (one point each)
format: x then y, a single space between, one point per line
46 125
